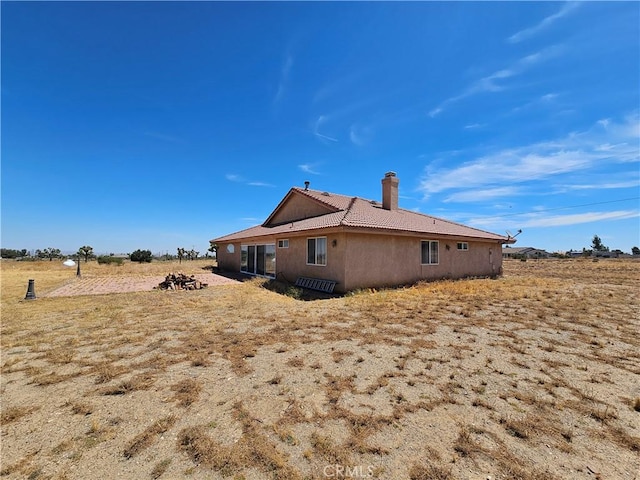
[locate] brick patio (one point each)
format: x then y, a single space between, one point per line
105 285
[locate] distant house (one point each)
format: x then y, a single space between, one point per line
359 243
524 252
597 254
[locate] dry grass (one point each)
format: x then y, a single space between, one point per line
530 376
148 436
12 414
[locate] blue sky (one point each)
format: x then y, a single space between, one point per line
158 125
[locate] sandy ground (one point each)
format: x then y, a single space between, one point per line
531 376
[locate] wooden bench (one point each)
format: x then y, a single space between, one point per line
316 284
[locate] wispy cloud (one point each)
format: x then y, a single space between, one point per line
309 168
482 194
575 152
496 82
474 126
543 101
566 9
232 177
531 220
360 135
285 71
260 184
316 129
601 186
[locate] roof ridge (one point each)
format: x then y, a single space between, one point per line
348 210
319 194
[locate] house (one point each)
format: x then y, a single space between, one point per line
359 243
524 252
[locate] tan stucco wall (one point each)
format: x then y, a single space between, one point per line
228 261
360 260
292 261
298 207
384 260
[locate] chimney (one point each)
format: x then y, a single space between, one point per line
390 191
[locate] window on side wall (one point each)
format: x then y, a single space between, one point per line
463 246
283 243
317 251
429 250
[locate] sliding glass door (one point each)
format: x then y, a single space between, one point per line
258 259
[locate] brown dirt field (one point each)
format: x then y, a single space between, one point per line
534 375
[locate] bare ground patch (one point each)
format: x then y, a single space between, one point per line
533 375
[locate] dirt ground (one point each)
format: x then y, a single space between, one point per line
535 375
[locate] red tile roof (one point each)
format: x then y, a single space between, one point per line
355 212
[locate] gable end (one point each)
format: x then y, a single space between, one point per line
296 206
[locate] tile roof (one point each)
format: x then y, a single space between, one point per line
355 212
339 202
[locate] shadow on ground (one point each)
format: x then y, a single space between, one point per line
282 285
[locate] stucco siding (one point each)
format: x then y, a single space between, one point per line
481 259
385 260
292 262
298 207
362 260
229 262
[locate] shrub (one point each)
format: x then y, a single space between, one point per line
141 256
108 260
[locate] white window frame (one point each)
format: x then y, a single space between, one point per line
317 255
430 250
464 246
284 243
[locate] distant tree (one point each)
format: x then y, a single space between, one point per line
49 253
180 254
597 245
109 259
11 253
213 247
635 251
192 254
86 252
52 253
141 256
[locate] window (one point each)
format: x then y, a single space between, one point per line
463 246
283 243
317 251
429 252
